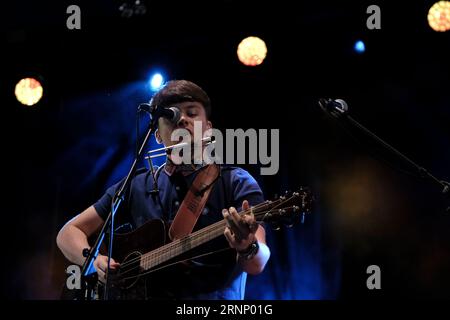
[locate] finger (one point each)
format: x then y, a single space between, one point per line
98 265
229 220
247 209
233 225
229 237
225 213
251 223
103 263
237 218
249 217
226 216
113 264
101 276
245 205
242 228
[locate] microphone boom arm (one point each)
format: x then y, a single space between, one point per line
88 276
338 109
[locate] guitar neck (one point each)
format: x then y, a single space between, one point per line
180 246
261 212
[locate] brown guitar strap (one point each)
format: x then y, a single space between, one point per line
194 202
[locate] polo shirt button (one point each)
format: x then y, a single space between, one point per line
177 188
176 203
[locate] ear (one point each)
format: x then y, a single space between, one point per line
208 125
158 136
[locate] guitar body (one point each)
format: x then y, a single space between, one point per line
172 279
148 237
130 281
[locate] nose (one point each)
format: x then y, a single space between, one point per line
182 123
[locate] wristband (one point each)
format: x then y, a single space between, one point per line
250 252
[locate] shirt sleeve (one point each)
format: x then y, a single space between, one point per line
103 205
245 187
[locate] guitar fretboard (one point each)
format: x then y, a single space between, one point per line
177 247
180 246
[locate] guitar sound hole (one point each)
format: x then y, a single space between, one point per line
130 270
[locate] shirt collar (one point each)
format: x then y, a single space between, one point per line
185 169
170 168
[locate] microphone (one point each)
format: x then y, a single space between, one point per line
172 114
336 106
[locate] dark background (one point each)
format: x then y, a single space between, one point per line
61 155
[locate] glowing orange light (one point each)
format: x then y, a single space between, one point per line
29 91
252 51
439 16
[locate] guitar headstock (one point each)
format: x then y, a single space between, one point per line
286 209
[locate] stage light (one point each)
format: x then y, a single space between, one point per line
359 47
156 82
252 51
439 16
28 91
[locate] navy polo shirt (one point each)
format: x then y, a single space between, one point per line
217 276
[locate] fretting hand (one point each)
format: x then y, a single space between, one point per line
241 228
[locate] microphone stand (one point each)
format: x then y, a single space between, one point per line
339 109
88 273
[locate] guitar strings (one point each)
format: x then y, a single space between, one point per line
218 226
150 257
149 271
176 262
197 234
